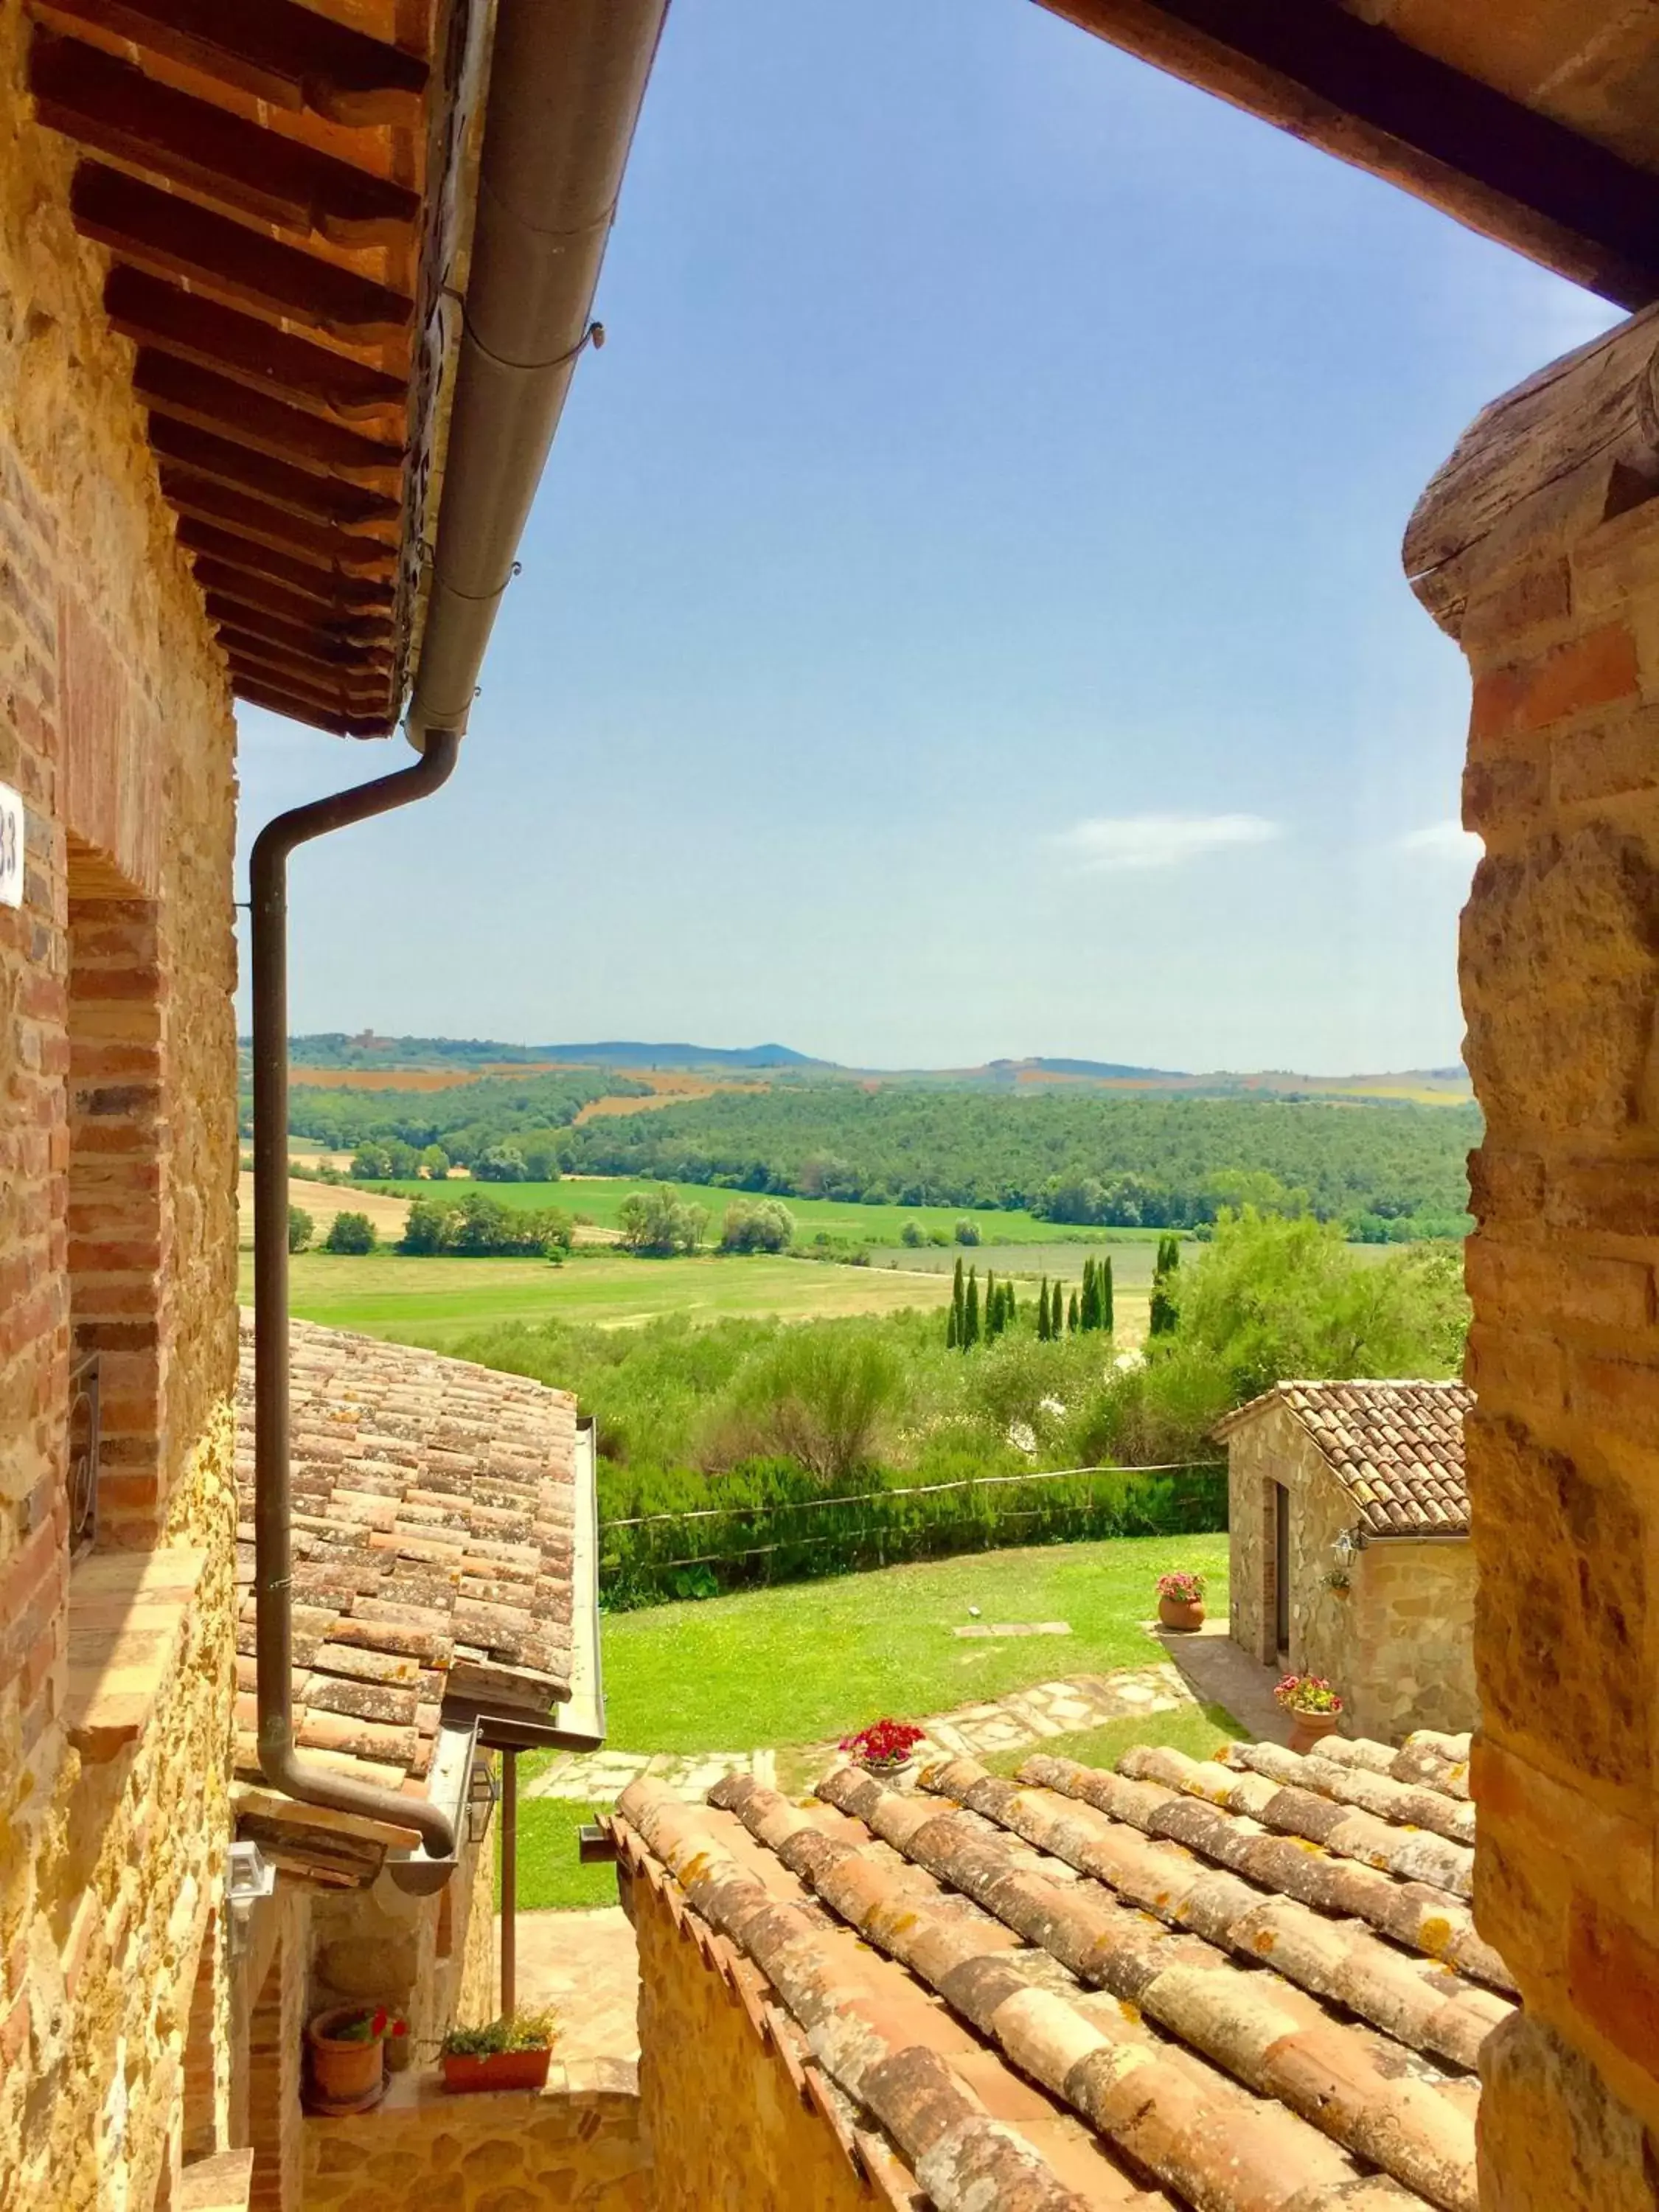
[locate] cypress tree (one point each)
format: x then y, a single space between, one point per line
1071 1315
957 1306
992 1308
1010 1307
950 1328
1104 1281
1043 1311
1089 1310
1057 1313
971 1311
1164 1309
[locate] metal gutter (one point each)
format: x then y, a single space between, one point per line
567 78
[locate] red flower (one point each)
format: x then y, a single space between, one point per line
400 2027
883 1741
377 2025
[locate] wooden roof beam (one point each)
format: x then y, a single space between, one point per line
302 641
189 394
327 548
247 351
267 692
289 55
352 627
313 498
170 236
333 688
117 110
1361 93
350 596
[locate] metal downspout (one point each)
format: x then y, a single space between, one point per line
566 85
279 1762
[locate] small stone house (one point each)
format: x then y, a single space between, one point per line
1350 1549
1253 1981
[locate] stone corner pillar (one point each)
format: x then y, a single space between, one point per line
1537 547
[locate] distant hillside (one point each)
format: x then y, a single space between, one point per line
629 1054
368 1052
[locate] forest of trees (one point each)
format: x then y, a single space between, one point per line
466 1122
1387 1172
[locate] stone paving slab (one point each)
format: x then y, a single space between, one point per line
1030 1715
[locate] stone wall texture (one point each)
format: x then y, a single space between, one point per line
1537 546
726 2122
117 1229
1399 1642
122 1887
578 2143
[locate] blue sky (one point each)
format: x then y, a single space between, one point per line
962 616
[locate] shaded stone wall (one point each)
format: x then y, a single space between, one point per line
1414 1605
125 1892
578 2143
117 1225
425 1958
1537 547
727 2124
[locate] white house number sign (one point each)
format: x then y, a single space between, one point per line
11 847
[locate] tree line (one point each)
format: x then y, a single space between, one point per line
1384 1170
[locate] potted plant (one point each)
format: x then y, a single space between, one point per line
346 2045
513 2052
1315 1708
886 1748
1181 1601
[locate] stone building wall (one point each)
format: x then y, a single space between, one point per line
1537 547
1271 1448
117 1229
577 2142
424 1958
1413 1607
726 2121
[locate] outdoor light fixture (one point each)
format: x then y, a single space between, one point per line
481 1798
249 1876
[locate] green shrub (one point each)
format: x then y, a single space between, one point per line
350 1232
300 1229
819 1397
757 1225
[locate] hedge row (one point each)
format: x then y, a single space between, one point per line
769 1524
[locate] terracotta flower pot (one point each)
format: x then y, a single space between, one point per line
1181 1613
1308 1729
888 1769
344 2071
501 2069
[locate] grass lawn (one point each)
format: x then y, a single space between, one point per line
815 1660
601 1197
551 1877
1197 1731
434 1301
792 1666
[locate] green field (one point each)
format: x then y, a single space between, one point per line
600 1199
435 1301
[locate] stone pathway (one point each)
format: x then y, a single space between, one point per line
1024 1716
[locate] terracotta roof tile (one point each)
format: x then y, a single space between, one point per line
1396 1447
434 1504
1253 1982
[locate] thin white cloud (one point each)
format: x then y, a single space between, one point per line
1111 842
1443 841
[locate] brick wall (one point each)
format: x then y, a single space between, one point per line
1537 546
117 1166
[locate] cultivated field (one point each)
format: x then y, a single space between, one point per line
669 1086
414 1079
601 1199
322 1201
436 1301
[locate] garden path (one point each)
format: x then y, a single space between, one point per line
1023 1717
